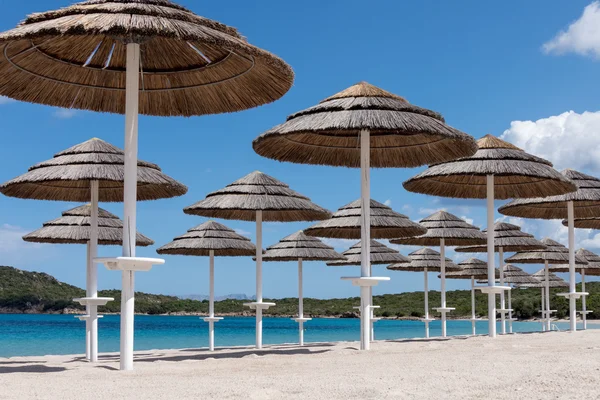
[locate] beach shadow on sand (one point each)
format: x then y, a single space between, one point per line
269 348
233 355
36 369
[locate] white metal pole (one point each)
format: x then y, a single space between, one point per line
547 288
502 295
88 307
93 275
572 289
443 283
510 319
300 304
365 236
543 310
130 198
491 256
211 304
426 291
473 305
583 305
259 295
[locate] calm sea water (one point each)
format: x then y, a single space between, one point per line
37 335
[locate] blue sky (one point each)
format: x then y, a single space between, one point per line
488 67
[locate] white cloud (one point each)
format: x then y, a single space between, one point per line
340 244
429 211
388 202
581 37
467 219
242 232
569 140
5 100
65 113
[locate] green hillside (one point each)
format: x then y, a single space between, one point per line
34 292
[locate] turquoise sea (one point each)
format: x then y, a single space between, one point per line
37 335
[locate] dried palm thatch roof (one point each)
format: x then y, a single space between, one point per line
385 223
257 191
553 253
380 254
74 228
586 201
516 276
470 268
67 176
517 174
591 268
553 280
401 135
424 258
508 236
75 57
585 223
443 225
199 241
299 245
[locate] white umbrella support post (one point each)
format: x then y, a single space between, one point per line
365 236
543 310
572 288
300 320
427 319
473 318
491 256
510 317
259 305
211 304
584 311
502 294
443 309
547 289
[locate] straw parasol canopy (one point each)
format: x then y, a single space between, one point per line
586 201
380 254
75 57
553 280
509 237
67 176
254 192
591 268
424 258
207 237
516 276
554 253
443 225
584 223
301 246
401 134
74 228
517 174
385 223
470 268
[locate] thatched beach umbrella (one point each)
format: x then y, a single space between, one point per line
498 170
509 238
300 247
515 276
136 56
385 223
380 255
91 171
472 269
425 260
444 229
583 203
210 239
584 223
591 268
258 197
553 253
365 126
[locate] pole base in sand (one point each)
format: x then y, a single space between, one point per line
492 289
575 295
129 263
259 305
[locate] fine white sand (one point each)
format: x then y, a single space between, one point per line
557 365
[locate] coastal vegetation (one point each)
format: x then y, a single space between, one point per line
34 292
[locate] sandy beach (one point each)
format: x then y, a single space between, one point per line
558 365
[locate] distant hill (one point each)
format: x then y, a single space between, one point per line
35 292
202 297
